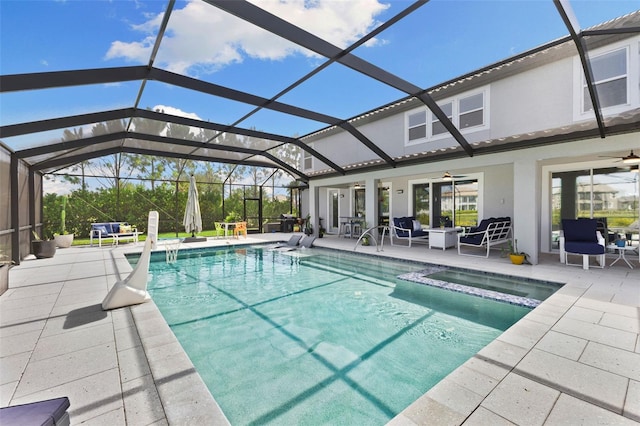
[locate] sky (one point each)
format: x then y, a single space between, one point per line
442 40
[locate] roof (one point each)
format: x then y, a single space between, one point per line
57 141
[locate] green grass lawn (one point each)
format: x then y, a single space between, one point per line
142 237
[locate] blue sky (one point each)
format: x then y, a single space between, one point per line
444 39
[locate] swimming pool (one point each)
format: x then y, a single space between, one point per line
317 336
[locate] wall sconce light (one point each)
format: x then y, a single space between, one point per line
341 195
400 191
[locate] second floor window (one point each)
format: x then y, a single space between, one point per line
417 125
467 112
437 127
307 160
610 77
471 111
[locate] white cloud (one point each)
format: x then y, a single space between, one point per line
176 111
55 184
201 38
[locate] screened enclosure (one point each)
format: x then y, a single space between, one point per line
121 102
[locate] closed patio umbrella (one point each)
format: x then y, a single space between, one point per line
192 219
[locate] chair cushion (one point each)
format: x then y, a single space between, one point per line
581 247
417 226
476 240
419 233
580 230
484 224
400 223
407 222
100 228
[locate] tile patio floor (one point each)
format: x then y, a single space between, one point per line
573 360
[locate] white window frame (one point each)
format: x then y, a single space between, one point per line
632 47
482 108
455 111
435 119
306 156
407 127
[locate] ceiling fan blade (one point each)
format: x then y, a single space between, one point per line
631 158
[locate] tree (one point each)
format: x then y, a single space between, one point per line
71 135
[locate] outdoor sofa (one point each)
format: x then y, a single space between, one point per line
490 232
115 231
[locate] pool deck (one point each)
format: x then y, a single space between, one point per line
575 359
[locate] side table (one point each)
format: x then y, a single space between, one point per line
443 237
621 253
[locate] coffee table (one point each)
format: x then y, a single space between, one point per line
621 253
443 237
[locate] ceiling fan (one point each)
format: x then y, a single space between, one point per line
448 176
628 159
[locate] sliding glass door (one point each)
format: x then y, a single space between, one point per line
607 194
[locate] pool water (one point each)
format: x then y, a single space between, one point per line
317 336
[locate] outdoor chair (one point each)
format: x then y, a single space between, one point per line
409 229
307 241
289 245
241 228
581 237
218 230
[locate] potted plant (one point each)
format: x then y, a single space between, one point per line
517 257
308 229
42 249
321 232
63 239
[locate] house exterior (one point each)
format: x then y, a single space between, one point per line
538 151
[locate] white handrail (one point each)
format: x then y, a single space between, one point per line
380 247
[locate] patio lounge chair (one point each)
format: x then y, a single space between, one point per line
581 237
307 241
291 244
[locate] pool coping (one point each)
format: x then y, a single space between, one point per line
527 366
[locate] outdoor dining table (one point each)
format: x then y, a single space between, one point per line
228 225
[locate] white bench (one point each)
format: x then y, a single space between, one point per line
111 230
490 232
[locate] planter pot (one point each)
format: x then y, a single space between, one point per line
63 241
517 259
43 249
